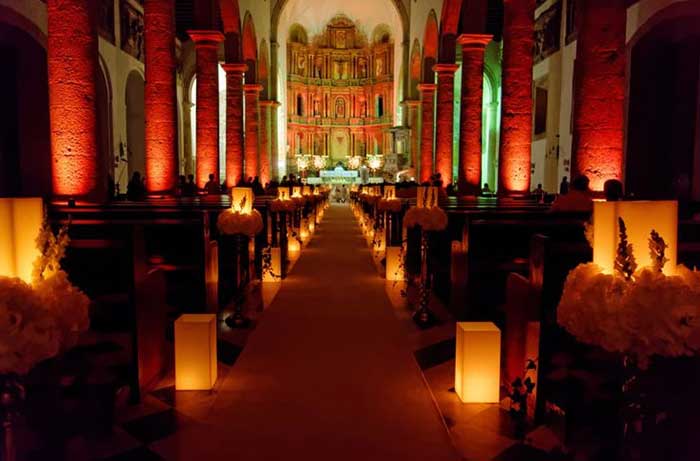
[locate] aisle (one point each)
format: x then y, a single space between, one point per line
327 374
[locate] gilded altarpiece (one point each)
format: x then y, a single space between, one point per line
340 93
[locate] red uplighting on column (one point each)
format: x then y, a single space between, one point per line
207 104
77 170
516 123
160 95
469 170
599 92
266 108
234 122
252 135
444 128
427 99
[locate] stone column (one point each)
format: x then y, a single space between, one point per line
234 122
207 104
266 109
160 96
252 134
469 170
77 170
599 92
413 120
427 99
444 128
516 123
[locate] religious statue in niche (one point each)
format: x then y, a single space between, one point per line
301 64
340 38
318 67
317 111
379 67
132 31
346 70
362 68
336 70
340 108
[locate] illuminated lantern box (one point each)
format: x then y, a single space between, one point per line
293 245
640 217
20 223
394 269
478 362
427 197
275 271
242 199
306 190
304 230
195 352
296 191
389 192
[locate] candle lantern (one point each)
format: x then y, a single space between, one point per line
394 268
427 197
478 362
195 352
641 218
242 199
296 191
20 223
389 192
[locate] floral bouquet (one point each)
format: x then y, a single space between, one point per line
38 320
391 205
429 219
233 222
639 312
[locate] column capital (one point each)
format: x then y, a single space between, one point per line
427 87
412 102
234 68
252 87
269 103
474 41
445 68
206 38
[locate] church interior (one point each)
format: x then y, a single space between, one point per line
351 230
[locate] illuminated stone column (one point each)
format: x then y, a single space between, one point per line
516 123
469 169
234 122
413 120
266 109
160 96
599 93
207 104
427 100
252 134
444 128
72 70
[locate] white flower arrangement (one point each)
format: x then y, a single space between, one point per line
393 205
635 311
41 319
233 222
429 219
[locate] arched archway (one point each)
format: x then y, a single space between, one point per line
430 48
135 123
663 142
25 164
250 49
103 93
415 70
264 70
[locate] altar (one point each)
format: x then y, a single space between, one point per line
340 175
